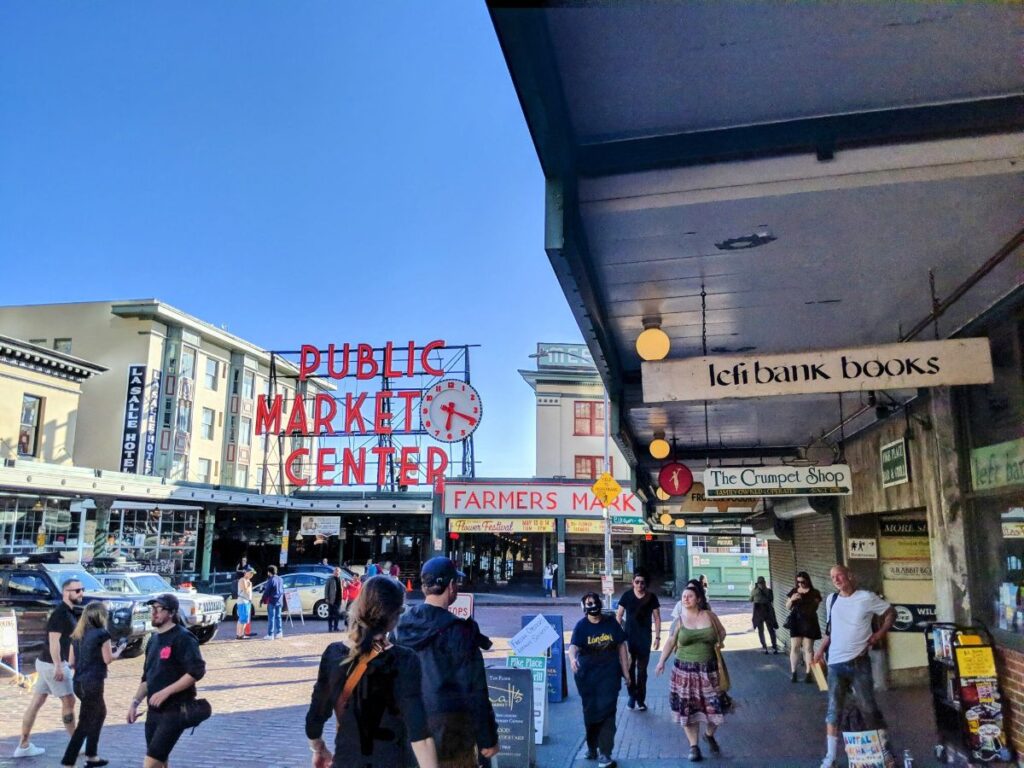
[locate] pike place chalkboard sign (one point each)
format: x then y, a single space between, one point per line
511 694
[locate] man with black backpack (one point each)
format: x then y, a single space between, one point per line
848 638
459 712
173 666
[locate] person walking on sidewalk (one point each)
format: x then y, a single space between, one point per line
459 712
373 688
332 596
53 675
172 668
802 601
599 661
637 607
847 641
90 655
244 604
273 596
764 613
694 696
549 579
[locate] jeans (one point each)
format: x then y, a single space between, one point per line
853 676
274 619
639 659
90 721
601 736
771 634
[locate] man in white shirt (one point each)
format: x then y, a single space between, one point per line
848 639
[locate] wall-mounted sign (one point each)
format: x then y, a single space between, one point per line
998 466
675 479
894 463
902 527
1013 530
311 525
907 570
489 525
904 548
740 482
890 366
561 547
695 501
133 416
621 526
862 549
912 618
519 499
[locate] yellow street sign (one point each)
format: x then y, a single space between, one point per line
606 489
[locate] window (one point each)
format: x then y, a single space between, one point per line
208 423
245 432
591 467
184 416
39 342
248 385
212 369
242 477
588 417
62 345
28 585
28 432
204 470
188 363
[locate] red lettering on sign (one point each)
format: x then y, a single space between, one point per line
535 497
382 452
581 500
506 500
389 354
353 470
381 417
408 469
552 500
437 464
353 412
297 421
333 372
268 419
410 363
408 397
323 467
289 463
457 498
366 363
429 369
323 421
488 499
309 361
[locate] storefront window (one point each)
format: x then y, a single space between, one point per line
163 540
995 468
32 524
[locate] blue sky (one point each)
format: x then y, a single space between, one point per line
300 172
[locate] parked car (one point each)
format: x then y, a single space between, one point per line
311 591
200 613
33 590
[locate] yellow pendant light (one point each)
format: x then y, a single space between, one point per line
661 494
680 523
659 446
653 343
665 519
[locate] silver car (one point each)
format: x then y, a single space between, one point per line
200 613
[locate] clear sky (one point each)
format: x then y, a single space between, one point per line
300 172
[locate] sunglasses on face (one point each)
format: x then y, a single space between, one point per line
78 589
639 581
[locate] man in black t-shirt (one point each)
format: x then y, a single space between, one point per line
637 607
173 665
53 675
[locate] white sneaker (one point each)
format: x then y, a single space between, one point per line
279 635
31 750
268 637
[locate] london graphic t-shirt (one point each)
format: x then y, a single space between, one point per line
598 644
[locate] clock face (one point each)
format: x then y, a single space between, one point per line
450 410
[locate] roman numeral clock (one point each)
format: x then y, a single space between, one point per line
450 410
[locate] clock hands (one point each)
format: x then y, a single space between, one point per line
449 408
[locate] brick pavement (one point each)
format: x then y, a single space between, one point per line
259 690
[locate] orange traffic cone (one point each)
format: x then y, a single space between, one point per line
408 585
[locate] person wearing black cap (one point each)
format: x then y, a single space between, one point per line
173 666
460 716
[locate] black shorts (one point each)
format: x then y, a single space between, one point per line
163 729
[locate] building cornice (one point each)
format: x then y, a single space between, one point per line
23 354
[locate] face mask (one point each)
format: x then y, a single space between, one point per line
592 610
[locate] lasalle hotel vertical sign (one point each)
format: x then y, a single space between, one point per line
138 436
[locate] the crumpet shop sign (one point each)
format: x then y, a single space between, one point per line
742 482
890 366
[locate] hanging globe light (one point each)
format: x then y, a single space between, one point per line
665 519
653 343
662 495
659 446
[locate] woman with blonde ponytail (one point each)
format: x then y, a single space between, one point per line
372 688
91 652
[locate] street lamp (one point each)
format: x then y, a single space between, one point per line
607 468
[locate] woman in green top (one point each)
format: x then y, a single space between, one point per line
694 688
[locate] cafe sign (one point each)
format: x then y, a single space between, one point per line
894 463
857 369
743 482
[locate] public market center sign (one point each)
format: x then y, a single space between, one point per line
890 366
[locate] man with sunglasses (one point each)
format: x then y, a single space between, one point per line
637 607
53 675
173 666
459 712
